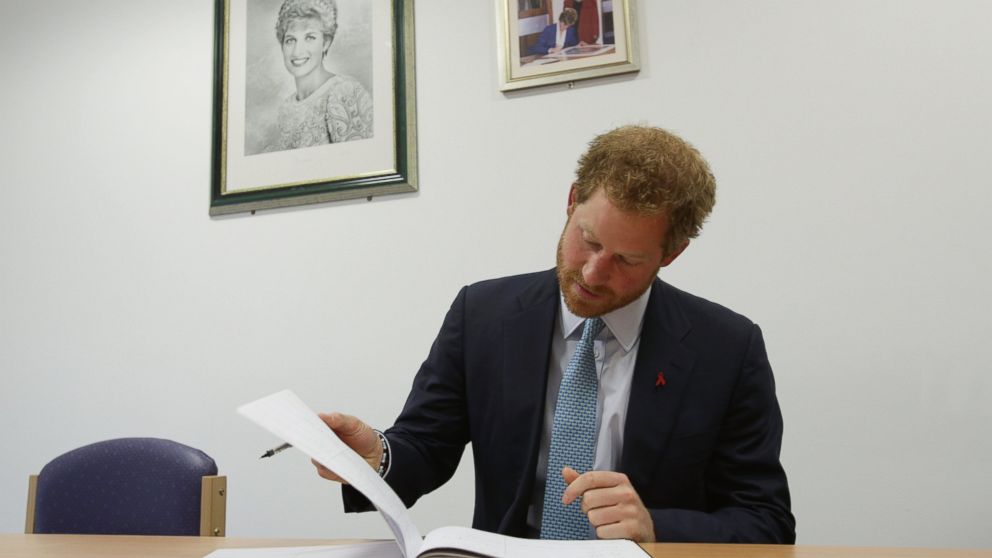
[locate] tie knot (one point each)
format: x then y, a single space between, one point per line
591 329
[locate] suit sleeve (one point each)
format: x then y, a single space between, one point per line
746 490
429 437
545 41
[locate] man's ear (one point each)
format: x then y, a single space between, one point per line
571 201
670 257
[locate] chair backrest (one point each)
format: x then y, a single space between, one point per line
133 486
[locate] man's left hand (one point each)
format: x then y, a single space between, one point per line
611 504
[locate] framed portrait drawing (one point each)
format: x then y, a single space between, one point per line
314 101
541 42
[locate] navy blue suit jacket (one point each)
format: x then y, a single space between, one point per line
702 450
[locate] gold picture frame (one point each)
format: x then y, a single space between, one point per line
539 44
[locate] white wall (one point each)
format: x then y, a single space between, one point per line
851 141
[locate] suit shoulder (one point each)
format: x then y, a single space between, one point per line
513 284
512 292
703 313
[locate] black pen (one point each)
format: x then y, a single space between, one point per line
274 451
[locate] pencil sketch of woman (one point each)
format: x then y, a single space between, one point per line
326 107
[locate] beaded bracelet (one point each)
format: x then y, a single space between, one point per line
384 460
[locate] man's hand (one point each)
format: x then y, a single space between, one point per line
355 434
611 504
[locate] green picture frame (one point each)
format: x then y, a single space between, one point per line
259 159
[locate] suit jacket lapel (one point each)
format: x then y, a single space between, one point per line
526 350
653 409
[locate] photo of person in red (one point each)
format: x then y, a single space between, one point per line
588 23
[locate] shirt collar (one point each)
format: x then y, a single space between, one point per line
624 323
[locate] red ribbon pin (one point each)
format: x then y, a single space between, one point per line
661 380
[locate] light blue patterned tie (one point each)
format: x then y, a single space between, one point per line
573 438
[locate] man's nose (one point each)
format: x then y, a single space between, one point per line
596 270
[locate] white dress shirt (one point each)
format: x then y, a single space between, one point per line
560 36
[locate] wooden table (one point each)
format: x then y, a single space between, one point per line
113 546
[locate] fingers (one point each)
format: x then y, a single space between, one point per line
587 481
353 432
606 516
569 474
620 495
611 503
628 529
326 473
342 424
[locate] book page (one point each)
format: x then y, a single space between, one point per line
458 540
465 540
288 417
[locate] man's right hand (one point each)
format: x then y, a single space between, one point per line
355 434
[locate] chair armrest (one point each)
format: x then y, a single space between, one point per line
32 496
213 506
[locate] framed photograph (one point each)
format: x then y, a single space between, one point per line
555 41
314 101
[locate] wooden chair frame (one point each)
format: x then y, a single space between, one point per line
213 506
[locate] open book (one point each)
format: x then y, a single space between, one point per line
289 418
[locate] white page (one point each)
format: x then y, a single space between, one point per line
617 548
502 546
379 549
288 417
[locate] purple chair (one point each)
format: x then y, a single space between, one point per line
129 486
